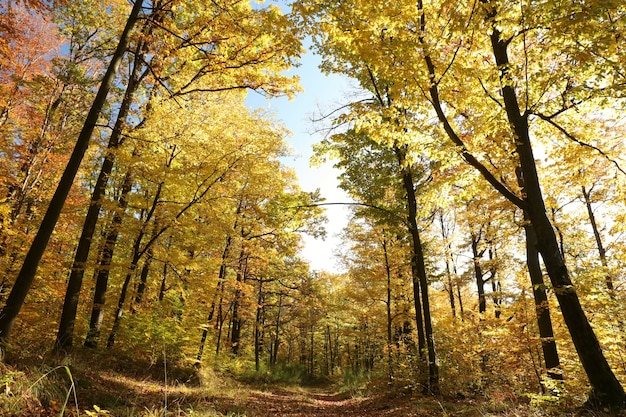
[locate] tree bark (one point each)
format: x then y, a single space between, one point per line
218 294
104 265
137 253
419 271
478 273
542 307
235 336
596 233
496 289
274 357
259 325
31 262
163 287
606 389
143 282
388 309
65 334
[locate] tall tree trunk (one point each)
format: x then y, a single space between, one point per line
596 234
219 325
119 311
606 389
143 282
218 295
496 289
65 334
259 324
104 265
450 285
145 271
542 307
274 357
219 291
458 296
449 264
417 265
235 337
311 353
388 308
478 273
137 254
33 257
163 286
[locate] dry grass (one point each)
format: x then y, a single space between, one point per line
90 385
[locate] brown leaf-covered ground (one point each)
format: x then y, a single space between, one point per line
146 392
224 397
228 398
213 395
319 403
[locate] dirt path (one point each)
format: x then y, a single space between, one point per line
317 403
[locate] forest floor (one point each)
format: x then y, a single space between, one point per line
220 398
118 390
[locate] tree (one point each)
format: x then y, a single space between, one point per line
66 323
27 273
477 103
244 70
403 174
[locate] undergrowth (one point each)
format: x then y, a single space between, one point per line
93 384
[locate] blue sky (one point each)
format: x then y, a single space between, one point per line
321 94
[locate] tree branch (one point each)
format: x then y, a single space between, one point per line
573 138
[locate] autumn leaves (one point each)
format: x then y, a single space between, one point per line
475 82
184 158
184 215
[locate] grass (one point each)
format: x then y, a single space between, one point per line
93 384
89 383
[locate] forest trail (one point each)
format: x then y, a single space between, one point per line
324 402
315 402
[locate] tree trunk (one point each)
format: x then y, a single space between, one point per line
478 273
137 253
606 389
145 271
458 296
33 257
417 265
163 287
218 295
542 307
219 325
274 357
259 324
596 233
449 264
235 337
496 289
104 266
219 291
388 308
119 312
450 286
65 335
311 353
143 282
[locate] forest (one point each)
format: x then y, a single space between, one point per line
151 234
